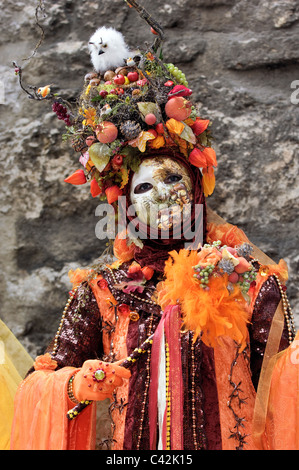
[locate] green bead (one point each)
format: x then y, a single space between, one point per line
99 375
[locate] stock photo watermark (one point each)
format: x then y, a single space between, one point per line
2 92
295 94
163 223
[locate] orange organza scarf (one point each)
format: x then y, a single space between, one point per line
41 423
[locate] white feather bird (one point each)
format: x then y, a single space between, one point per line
108 49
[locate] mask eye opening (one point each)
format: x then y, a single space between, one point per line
172 178
142 188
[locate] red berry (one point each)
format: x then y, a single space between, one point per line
154 31
103 93
159 128
150 119
142 82
152 131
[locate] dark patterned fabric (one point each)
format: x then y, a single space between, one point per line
80 336
264 310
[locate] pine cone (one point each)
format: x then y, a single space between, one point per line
245 250
226 266
79 144
130 129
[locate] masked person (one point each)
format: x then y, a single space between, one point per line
188 332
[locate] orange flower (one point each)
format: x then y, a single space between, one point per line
157 143
45 362
208 180
150 56
122 250
208 256
203 158
141 140
113 193
90 115
148 272
134 268
77 276
174 126
76 178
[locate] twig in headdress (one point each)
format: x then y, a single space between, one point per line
40 7
153 23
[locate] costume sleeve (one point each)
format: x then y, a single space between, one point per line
79 336
265 306
41 402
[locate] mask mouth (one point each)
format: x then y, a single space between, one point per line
101 52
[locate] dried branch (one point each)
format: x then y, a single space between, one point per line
40 7
143 13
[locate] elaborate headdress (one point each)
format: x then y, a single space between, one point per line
123 113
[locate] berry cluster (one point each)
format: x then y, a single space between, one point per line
246 279
61 112
178 74
203 273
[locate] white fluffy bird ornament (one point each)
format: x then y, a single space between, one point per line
108 49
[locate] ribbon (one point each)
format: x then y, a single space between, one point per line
170 325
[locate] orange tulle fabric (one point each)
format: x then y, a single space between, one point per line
214 313
78 276
228 234
40 419
282 421
118 337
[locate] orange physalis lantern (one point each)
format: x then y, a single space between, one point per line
208 179
76 178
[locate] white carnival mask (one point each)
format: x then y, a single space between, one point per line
161 192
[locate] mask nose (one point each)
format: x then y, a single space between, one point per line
101 52
163 194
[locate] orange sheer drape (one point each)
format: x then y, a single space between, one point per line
41 422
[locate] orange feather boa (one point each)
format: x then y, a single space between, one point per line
210 313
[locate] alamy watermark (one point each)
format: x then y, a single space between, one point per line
170 223
295 94
2 92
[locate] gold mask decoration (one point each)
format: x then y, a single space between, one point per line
161 192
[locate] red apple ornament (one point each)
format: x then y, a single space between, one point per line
119 79
106 132
178 108
133 76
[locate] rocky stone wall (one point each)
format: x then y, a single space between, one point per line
241 60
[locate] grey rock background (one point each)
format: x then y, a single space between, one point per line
240 58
